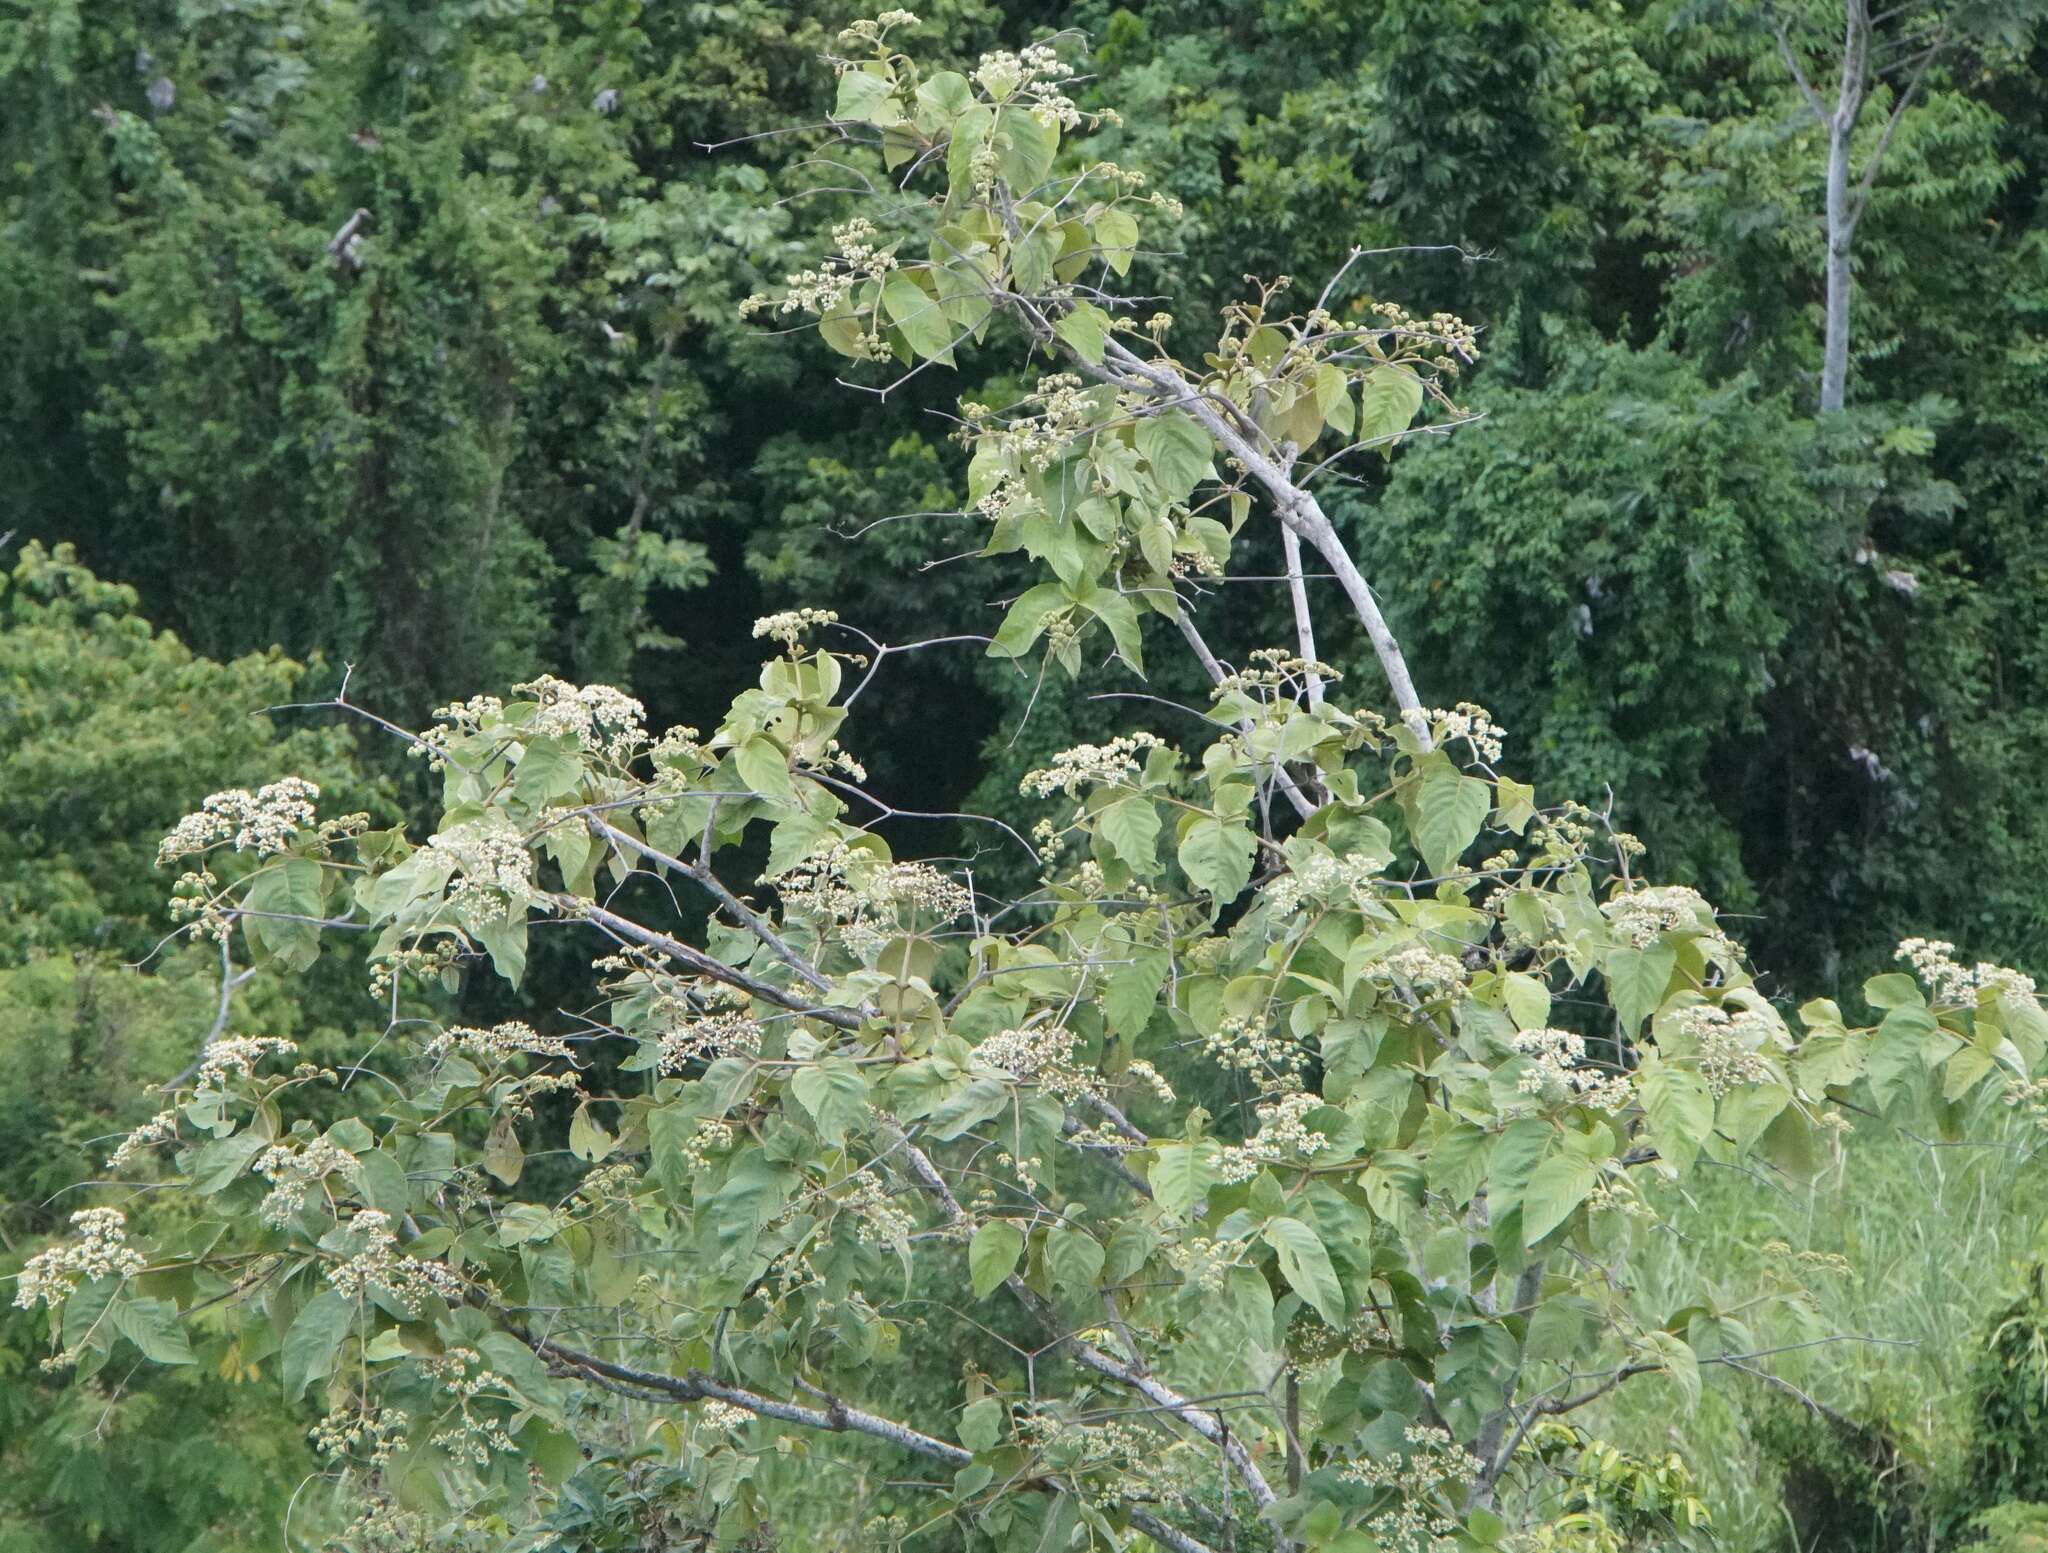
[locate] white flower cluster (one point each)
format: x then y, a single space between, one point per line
1732 1047
1281 1137
882 1222
376 1265
824 289
1425 970
1035 74
870 32
98 1250
471 1437
866 897
492 868
1416 1516
789 625
1203 1262
707 1038
1044 1056
1557 1071
1251 1048
1324 877
160 1128
293 1173
601 719
1091 765
262 822
1473 724
1933 961
723 1416
513 1038
372 1433
1641 917
237 1057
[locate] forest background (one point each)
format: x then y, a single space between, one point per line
403 339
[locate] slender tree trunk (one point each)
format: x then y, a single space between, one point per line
1841 220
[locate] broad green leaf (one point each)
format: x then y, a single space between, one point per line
152 1325
1218 858
1181 1176
834 1093
1679 1362
763 767
1121 616
1131 827
1178 450
549 768
974 1103
992 1255
1027 620
1449 811
1554 1192
1388 405
1305 1264
1527 999
981 1425
1117 235
587 1140
1132 992
1636 982
1074 1258
313 1340
917 313
867 99
1086 328
1679 1109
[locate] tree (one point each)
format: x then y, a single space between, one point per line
1277 1166
1894 49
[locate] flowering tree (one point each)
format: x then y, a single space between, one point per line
1274 1172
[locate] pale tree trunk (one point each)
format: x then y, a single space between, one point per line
1848 195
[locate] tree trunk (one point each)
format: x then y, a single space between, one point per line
1841 220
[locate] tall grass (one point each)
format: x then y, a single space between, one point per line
1935 1236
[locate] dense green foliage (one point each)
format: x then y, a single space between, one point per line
515 424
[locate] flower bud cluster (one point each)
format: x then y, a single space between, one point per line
1281 1138
1557 1070
262 822
1092 765
99 1249
1933 961
378 1267
293 1173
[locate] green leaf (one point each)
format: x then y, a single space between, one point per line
313 1340
1086 328
1388 405
942 99
917 313
981 1425
867 99
992 1255
1131 827
503 1157
1305 1264
505 938
1027 620
1132 992
1679 1362
1894 989
1117 235
548 769
1636 981
1554 1192
1449 810
1181 1176
152 1326
1178 450
1025 145
1679 1109
1217 857
971 1105
1121 616
287 889
1527 999
835 1094
221 1163
764 768
587 1140
1074 1258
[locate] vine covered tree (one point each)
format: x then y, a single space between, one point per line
1282 1167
